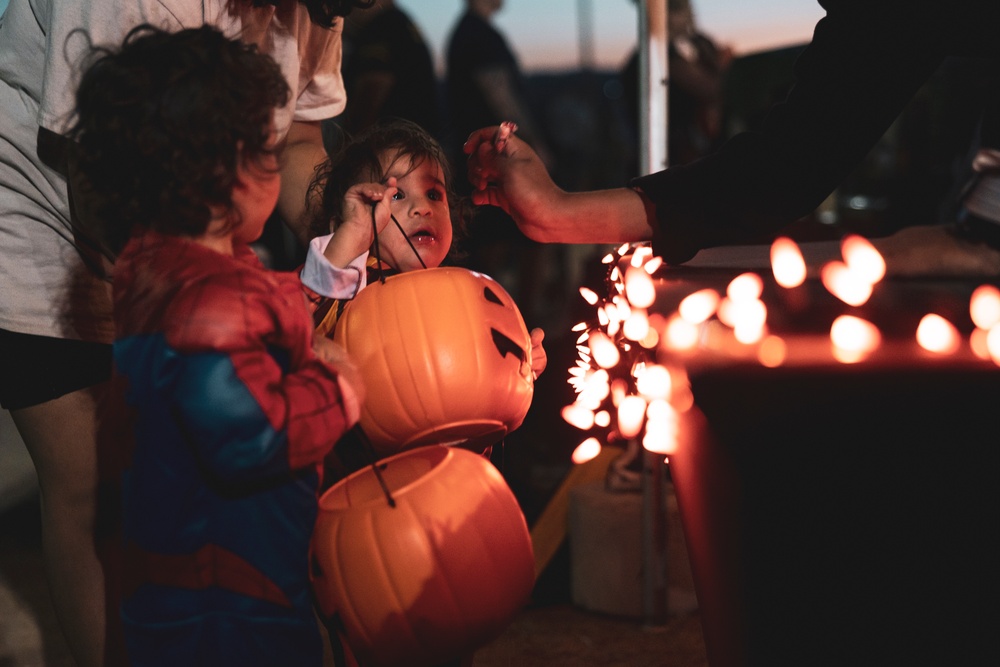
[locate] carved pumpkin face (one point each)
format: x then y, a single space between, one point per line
439 575
445 356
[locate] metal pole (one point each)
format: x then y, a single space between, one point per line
653 80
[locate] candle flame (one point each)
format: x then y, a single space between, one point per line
984 306
586 450
787 263
863 259
936 334
845 284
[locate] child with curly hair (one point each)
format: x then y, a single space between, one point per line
228 411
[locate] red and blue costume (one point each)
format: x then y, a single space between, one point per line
229 414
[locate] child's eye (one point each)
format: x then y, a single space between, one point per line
435 195
399 195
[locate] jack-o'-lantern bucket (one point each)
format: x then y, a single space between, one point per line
445 356
423 560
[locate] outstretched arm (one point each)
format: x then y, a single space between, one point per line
515 179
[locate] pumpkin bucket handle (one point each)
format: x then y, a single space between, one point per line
360 433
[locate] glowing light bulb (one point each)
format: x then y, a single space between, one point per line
745 287
699 306
639 287
636 326
605 351
853 338
654 382
589 295
679 334
843 283
984 306
862 258
936 334
578 416
586 450
787 264
631 412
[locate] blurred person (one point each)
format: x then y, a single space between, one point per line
388 71
866 60
696 68
55 305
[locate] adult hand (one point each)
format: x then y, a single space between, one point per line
515 179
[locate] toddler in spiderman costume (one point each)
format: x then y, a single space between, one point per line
229 404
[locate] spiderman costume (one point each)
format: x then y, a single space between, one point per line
229 414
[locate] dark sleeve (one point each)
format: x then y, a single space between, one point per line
862 67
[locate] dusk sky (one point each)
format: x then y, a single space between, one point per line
545 33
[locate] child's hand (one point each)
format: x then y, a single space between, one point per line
356 235
352 385
538 358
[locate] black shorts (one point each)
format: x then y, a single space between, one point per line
36 369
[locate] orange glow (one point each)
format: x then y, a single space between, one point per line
993 344
639 288
699 306
745 287
863 259
978 344
578 416
652 265
844 284
936 334
631 412
586 450
772 352
679 334
651 339
984 306
604 350
787 264
853 338
636 326
640 255
653 382
602 418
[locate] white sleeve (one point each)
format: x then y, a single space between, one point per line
325 279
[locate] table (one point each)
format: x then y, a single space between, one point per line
840 514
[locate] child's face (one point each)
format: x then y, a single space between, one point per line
255 195
421 207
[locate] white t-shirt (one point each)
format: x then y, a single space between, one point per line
46 287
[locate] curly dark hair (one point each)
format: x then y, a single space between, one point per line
358 162
163 122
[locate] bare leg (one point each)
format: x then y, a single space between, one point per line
60 436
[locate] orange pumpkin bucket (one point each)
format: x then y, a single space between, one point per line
446 358
431 577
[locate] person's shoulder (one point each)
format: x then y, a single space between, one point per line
226 307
